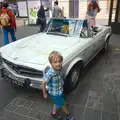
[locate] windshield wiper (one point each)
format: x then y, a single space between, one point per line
57 33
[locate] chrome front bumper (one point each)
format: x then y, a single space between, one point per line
19 80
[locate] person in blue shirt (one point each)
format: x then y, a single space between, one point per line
54 82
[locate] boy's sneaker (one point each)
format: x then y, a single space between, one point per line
58 117
70 117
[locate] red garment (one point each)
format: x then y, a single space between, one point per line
11 15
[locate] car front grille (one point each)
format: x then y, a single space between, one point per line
23 70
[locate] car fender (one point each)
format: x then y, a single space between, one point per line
72 64
107 37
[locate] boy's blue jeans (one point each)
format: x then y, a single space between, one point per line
6 31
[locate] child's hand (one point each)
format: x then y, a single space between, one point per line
44 89
45 95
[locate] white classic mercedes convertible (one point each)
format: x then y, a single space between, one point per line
25 61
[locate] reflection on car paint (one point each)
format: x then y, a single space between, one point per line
22 45
41 53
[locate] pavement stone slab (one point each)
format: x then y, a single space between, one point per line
25 118
41 116
42 106
94 100
77 112
11 107
22 110
28 103
15 100
110 102
91 114
16 117
7 115
110 116
33 113
22 102
33 119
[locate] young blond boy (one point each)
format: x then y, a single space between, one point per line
55 85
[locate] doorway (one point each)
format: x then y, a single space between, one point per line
114 16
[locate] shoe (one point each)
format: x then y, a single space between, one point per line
70 117
53 115
58 117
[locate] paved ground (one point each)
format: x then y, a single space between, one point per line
97 97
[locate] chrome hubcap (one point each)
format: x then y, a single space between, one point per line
75 76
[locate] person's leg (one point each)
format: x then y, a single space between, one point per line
12 33
42 27
65 109
54 113
68 114
5 34
54 109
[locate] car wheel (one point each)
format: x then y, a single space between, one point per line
73 78
106 45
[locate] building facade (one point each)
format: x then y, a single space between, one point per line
77 8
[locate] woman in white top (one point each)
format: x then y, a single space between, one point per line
92 10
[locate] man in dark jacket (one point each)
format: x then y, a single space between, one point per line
42 18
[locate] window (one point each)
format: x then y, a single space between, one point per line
61 26
68 27
81 29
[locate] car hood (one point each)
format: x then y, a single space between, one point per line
36 48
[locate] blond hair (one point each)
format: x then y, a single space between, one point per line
53 54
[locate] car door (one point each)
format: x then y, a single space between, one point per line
79 31
89 50
93 46
86 52
88 46
98 41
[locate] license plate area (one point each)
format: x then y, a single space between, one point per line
13 81
12 78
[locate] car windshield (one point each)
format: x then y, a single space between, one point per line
66 27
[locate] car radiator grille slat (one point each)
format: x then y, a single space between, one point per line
29 72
